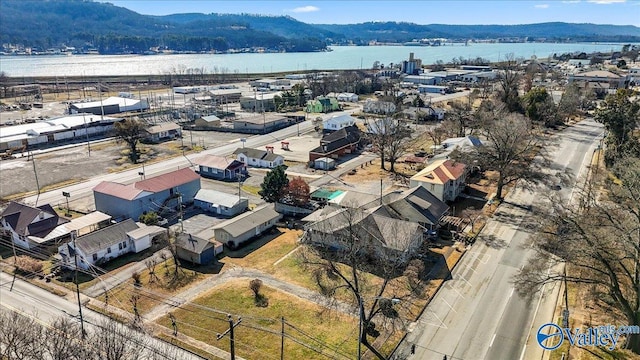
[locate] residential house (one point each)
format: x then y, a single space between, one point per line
598 79
205 122
337 122
337 144
160 194
323 104
381 239
236 231
162 132
347 97
379 107
30 227
464 144
220 168
260 123
443 178
197 250
220 203
416 204
259 158
422 113
108 243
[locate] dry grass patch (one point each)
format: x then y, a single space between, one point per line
264 252
151 293
258 335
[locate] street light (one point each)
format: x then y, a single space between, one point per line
394 301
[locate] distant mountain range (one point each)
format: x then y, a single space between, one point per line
88 25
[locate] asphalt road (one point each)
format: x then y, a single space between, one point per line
33 301
84 189
478 314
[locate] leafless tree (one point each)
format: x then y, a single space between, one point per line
19 337
437 135
598 238
340 250
459 119
508 85
63 341
389 137
472 215
510 149
115 341
151 268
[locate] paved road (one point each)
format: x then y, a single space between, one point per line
84 189
46 307
478 314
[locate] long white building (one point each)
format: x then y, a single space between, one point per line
51 131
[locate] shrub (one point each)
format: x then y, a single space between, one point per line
28 265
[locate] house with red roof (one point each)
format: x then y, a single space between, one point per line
444 178
161 194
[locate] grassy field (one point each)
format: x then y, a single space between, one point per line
258 335
151 293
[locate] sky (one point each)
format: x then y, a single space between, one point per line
618 12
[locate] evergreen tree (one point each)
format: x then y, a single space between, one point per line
273 184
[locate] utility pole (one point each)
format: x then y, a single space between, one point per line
35 173
282 340
180 210
75 258
232 346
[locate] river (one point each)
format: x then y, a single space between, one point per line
341 57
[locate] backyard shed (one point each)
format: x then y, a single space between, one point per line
196 250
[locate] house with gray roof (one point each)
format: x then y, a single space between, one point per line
108 243
220 203
29 226
259 158
380 239
238 230
416 205
196 249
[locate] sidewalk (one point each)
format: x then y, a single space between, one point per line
107 282
237 273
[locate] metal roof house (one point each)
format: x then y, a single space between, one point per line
259 158
234 232
197 250
163 131
220 168
220 203
108 243
159 194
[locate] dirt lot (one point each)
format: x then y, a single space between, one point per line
62 166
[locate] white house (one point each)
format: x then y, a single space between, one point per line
348 97
443 178
108 243
337 122
259 158
30 226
